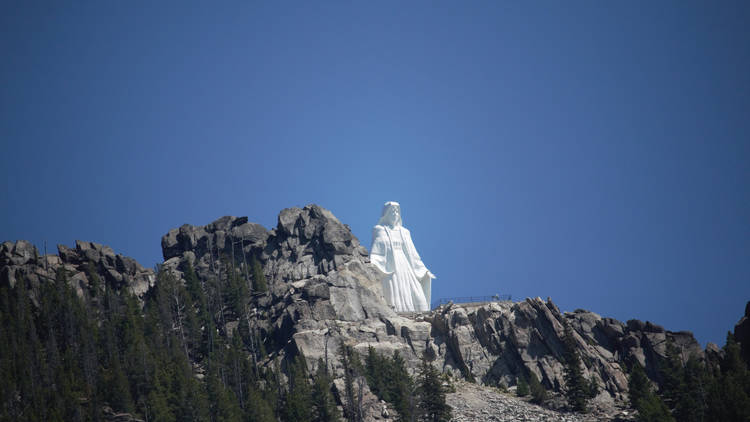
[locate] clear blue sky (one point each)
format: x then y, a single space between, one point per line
594 152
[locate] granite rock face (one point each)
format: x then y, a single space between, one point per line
323 292
497 342
21 260
307 242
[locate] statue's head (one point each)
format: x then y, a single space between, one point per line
391 215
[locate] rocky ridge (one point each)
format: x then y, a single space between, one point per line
21 260
323 292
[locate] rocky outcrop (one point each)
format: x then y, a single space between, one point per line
322 289
205 246
307 242
742 334
20 260
497 342
323 293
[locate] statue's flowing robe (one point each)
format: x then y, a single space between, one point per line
407 287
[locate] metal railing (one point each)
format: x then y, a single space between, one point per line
471 299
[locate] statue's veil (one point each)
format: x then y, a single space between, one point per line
386 206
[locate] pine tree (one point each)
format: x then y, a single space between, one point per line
642 398
734 383
375 372
298 399
592 388
672 379
159 398
400 388
522 387
537 390
223 403
259 278
576 388
432 406
258 408
692 403
323 404
352 370
193 284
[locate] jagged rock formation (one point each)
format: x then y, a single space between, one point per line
322 292
21 260
306 242
322 288
497 342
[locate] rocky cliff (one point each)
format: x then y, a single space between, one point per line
323 292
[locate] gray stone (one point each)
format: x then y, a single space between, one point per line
22 252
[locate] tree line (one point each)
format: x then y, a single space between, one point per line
716 388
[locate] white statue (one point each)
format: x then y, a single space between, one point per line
407 282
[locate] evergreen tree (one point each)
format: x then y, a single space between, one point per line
223 403
352 370
734 384
237 291
537 390
259 278
298 400
642 398
592 389
323 404
258 408
400 389
375 370
193 284
390 381
672 379
576 388
692 404
522 387
432 406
